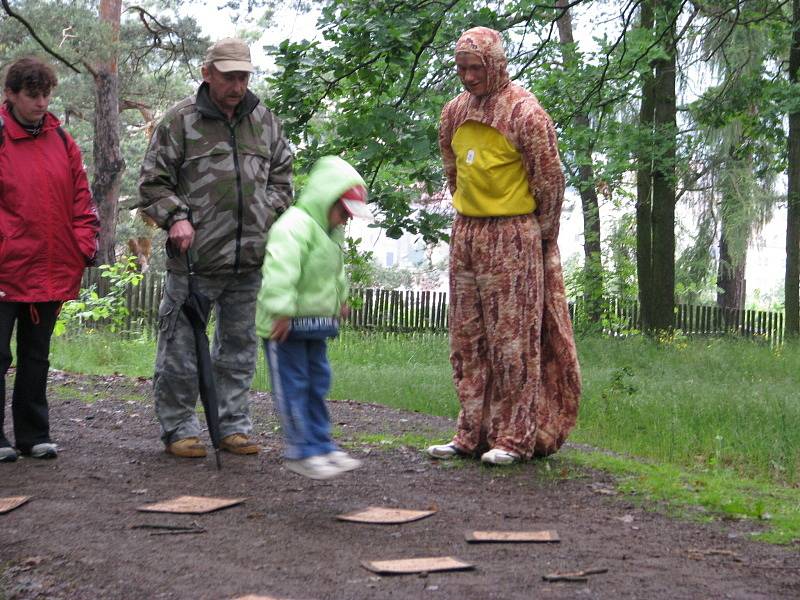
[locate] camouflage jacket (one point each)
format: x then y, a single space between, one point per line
230 178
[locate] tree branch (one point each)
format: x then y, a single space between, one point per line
39 40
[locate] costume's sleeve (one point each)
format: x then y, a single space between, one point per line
279 183
85 222
543 165
281 270
158 178
445 146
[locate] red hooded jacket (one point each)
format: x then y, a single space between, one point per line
48 221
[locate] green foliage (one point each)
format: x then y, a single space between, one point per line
695 268
373 91
358 267
618 279
373 87
92 308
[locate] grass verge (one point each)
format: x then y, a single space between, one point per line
774 510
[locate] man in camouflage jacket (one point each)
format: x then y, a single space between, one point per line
216 175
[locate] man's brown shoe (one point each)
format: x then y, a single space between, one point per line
190 447
239 443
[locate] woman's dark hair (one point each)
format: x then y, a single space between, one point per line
31 74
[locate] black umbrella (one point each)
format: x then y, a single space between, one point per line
197 307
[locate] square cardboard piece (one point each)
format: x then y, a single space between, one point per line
417 565
10 503
194 505
475 537
385 516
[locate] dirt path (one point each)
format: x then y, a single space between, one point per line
76 538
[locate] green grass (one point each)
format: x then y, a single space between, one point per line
774 509
698 404
103 354
386 441
695 423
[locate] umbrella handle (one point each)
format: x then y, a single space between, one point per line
191 254
189 263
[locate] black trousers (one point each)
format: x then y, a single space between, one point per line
35 323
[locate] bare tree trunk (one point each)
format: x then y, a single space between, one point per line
108 161
655 187
644 188
792 283
592 264
664 194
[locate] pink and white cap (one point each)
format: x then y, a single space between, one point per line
354 201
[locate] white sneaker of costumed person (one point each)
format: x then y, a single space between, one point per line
495 456
444 451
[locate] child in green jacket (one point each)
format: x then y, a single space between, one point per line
303 294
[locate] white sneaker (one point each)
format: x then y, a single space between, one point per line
8 454
495 456
444 451
45 450
314 467
342 460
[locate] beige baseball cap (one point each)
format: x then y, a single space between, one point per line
229 54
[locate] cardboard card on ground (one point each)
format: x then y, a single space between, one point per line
417 565
475 537
11 502
385 516
191 505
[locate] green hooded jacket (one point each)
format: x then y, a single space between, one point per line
303 271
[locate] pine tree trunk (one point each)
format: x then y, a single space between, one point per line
108 161
592 265
792 283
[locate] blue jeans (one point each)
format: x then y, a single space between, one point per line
301 377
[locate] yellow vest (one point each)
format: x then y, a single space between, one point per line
491 180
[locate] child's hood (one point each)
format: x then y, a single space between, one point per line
328 180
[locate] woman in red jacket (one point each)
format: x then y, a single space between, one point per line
48 234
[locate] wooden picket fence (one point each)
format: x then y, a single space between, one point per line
411 311
623 318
